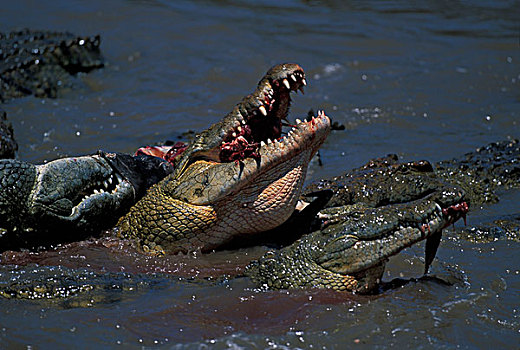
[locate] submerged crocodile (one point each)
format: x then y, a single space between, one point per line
40 63
344 246
481 173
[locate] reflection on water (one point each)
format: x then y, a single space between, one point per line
428 80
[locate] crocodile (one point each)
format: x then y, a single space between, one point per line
246 161
371 214
62 195
503 228
42 204
240 176
40 63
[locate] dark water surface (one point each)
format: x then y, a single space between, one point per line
426 80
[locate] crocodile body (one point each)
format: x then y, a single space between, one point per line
39 63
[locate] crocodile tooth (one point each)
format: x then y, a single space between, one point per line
263 110
119 178
298 121
234 134
304 82
96 191
293 77
286 83
239 128
262 143
105 183
243 122
269 141
111 179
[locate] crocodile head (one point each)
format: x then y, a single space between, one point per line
240 176
70 189
82 194
377 211
83 190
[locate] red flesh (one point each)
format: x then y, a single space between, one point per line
168 153
456 211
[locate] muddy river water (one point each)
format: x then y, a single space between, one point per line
425 80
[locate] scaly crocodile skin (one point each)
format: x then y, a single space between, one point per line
69 198
240 176
210 202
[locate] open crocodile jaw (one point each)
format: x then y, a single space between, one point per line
85 184
106 181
